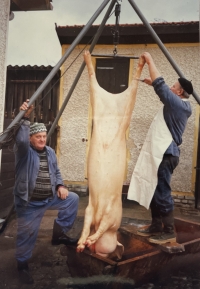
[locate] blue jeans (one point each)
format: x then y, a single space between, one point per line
29 219
162 200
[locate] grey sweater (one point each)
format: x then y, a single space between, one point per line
176 113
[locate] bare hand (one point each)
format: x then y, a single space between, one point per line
26 107
141 61
62 193
148 81
147 56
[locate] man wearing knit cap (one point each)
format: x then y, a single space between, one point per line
161 152
38 187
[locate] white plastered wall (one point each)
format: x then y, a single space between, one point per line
75 120
4 21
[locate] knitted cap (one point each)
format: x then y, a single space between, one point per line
186 85
37 127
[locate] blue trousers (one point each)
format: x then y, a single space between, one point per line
162 200
29 219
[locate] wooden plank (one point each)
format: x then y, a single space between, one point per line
172 248
6 192
9 100
7 200
8 175
46 104
7 167
55 95
38 107
15 108
7 157
32 89
19 88
20 96
6 184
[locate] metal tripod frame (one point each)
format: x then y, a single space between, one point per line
75 43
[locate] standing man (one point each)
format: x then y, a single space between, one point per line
38 187
176 112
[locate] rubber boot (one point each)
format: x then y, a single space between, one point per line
24 274
168 234
60 238
156 225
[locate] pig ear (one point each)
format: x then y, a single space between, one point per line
117 254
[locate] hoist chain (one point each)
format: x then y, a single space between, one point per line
116 32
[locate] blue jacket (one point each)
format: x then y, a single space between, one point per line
176 113
27 162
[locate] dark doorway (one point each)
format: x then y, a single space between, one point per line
113 74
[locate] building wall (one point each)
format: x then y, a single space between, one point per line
4 20
75 120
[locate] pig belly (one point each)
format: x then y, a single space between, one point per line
106 167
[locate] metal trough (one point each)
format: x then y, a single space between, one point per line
141 259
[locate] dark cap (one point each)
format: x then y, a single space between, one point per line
186 85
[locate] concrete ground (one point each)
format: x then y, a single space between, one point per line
48 267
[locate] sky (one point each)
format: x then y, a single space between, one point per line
32 38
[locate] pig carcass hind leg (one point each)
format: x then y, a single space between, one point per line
86 229
103 227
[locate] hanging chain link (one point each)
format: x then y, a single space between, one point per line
115 50
116 32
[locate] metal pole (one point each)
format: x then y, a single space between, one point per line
58 65
97 35
160 44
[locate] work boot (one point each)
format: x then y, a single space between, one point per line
60 238
24 274
154 229
168 234
156 225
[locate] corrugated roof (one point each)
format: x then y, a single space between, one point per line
168 32
29 67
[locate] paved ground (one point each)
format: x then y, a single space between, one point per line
48 267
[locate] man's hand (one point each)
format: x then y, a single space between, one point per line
147 56
26 107
62 193
153 71
147 81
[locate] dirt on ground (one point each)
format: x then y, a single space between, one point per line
47 266
50 269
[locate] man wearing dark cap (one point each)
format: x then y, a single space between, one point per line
38 187
176 112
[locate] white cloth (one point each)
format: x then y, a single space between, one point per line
144 179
